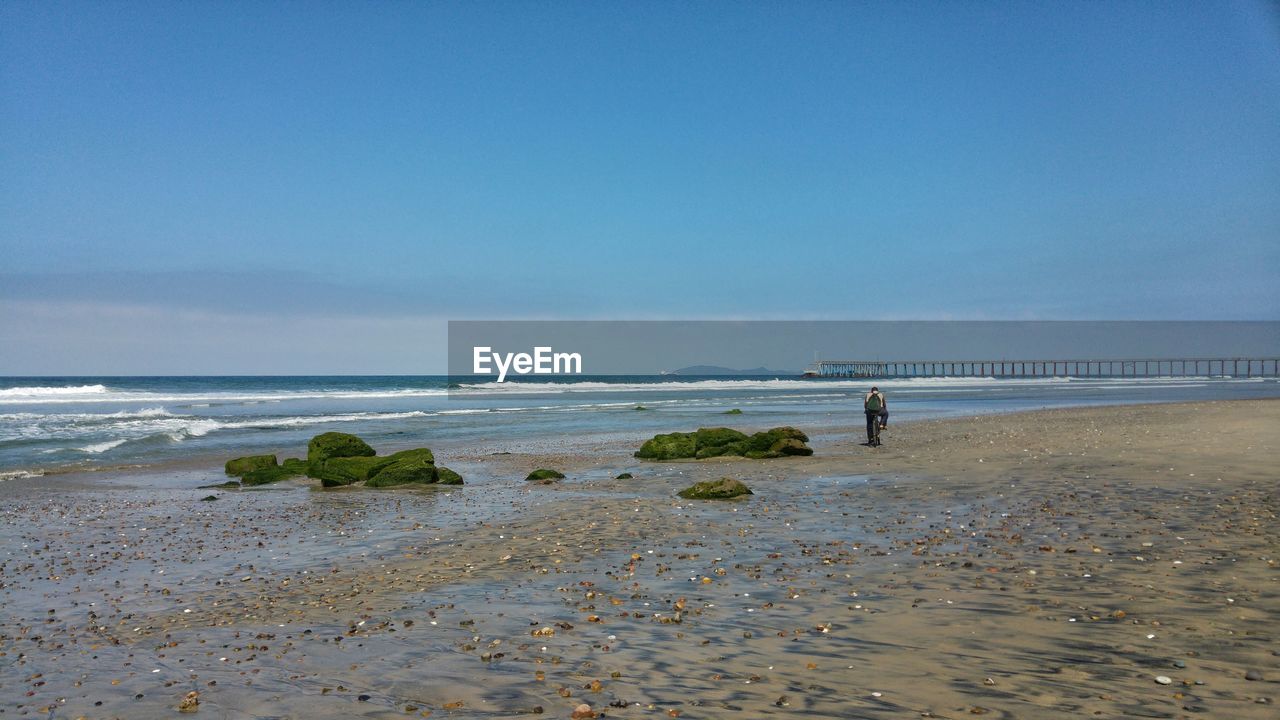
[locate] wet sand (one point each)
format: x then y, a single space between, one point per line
1031 565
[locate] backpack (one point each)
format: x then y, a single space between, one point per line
873 403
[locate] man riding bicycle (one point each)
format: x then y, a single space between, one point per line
873 405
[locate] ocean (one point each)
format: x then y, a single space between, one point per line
67 424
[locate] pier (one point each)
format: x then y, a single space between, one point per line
1141 368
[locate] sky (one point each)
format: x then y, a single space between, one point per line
247 187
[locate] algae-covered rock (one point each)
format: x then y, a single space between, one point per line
334 445
208 498
417 454
296 466
266 475
668 447
791 446
545 474
765 440
714 442
338 471
241 465
262 469
734 411
722 489
445 476
228 485
624 476
403 468
717 442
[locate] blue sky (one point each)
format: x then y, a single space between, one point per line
181 182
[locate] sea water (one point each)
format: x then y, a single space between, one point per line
70 423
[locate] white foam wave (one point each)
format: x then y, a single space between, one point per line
41 391
205 399
19 474
103 446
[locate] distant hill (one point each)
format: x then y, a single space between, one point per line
718 370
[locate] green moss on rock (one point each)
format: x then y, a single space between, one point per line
545 474
267 475
338 471
790 446
624 476
717 442
416 455
668 447
242 465
734 411
403 468
337 445
714 442
296 466
445 476
722 489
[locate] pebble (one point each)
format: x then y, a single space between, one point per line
1163 679
1179 664
1253 675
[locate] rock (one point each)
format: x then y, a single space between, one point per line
339 471
761 445
790 446
734 411
1253 675
335 444
714 442
641 407
228 485
624 476
545 474
403 468
190 703
275 473
1163 679
296 466
668 447
262 469
208 498
242 465
722 489
718 442
445 476
582 712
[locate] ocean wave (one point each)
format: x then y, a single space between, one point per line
19 474
121 428
203 399
41 391
102 446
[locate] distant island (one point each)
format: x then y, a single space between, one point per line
718 370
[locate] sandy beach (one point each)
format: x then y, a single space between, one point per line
1107 562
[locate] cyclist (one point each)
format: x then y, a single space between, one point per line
873 404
